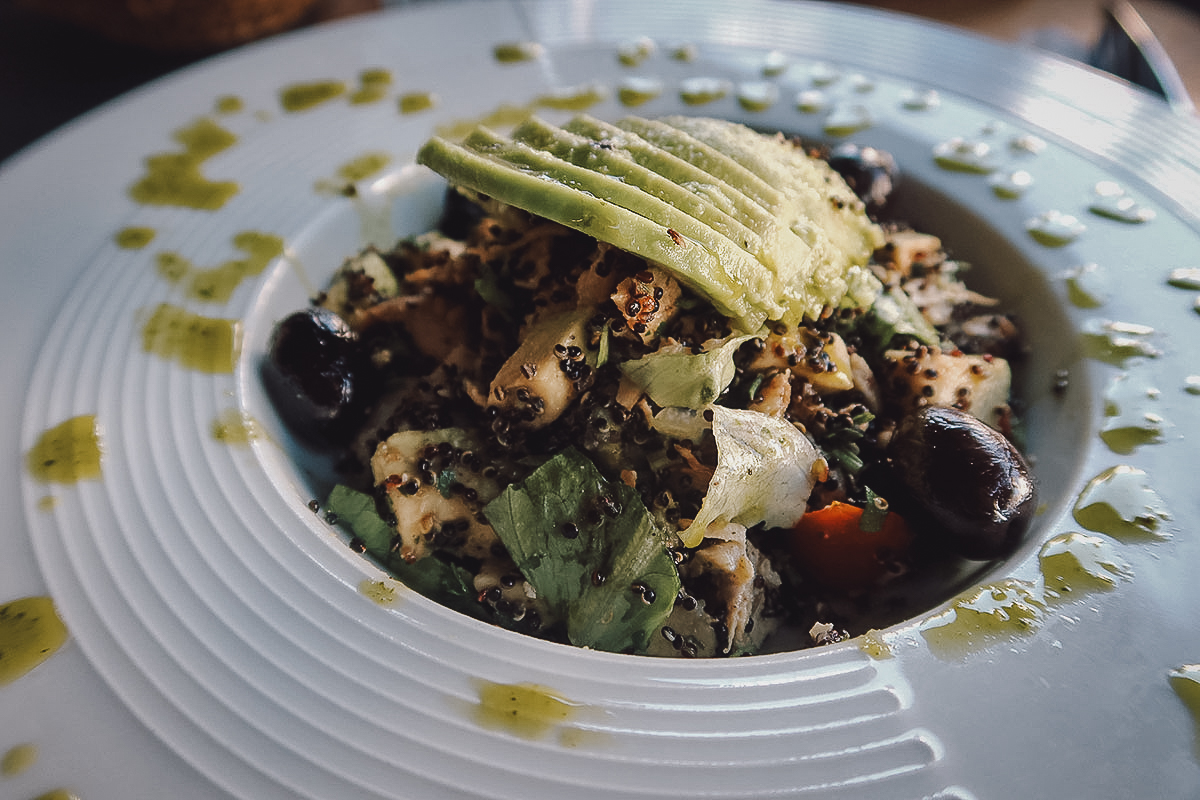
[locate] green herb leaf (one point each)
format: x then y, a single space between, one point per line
591 551
447 583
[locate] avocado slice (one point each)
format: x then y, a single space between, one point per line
689 195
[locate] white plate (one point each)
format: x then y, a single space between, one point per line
220 643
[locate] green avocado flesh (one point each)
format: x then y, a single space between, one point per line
748 221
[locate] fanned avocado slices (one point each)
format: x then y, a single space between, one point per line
748 221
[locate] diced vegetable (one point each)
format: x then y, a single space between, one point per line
839 549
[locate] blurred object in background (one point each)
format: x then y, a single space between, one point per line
191 26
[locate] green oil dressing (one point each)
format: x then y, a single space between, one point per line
229 104
757 95
1110 201
516 52
686 53
67 453
1087 286
1011 185
1117 343
1185 681
381 593
234 427
303 96
416 102
18 759
217 284
576 98
701 91
58 794
633 53
373 86
174 179
985 616
636 91
965 155
1131 416
197 342
134 238
524 709
1191 384
47 503
1054 228
30 632
848 118
1074 564
1120 502
873 644
363 166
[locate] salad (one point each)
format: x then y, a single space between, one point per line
664 387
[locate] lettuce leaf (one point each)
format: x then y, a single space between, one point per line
591 551
673 376
764 473
447 583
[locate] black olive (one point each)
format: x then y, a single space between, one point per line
870 172
460 214
967 477
319 376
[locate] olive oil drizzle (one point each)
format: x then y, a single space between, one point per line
30 632
174 179
67 453
197 342
524 709
18 759
304 96
217 284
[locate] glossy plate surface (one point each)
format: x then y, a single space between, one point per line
225 641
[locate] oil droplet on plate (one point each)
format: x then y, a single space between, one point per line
844 120
58 794
18 759
1087 286
1117 343
201 343
873 644
304 96
30 632
1121 503
983 617
516 52
920 99
1074 564
1185 681
861 84
134 238
686 52
1011 185
1109 200
229 104
824 74
382 593
363 167
67 453
416 102
1026 144
634 92
174 179
810 101
965 155
757 95
1132 419
633 53
234 427
373 85
1185 278
1191 384
775 63
574 98
703 90
1055 229
217 284
524 709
